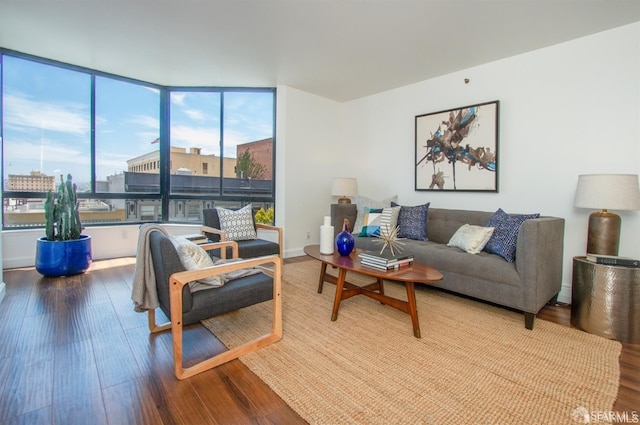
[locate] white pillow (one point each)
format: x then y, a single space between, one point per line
194 257
470 238
363 202
389 219
238 224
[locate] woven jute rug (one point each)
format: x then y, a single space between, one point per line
475 363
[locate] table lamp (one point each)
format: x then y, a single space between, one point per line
604 192
344 187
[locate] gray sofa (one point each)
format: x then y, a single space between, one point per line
526 285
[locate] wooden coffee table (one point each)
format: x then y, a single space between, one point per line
409 276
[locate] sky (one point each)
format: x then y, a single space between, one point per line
47 120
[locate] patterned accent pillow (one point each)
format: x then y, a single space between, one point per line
363 202
389 219
471 238
238 224
371 222
504 238
193 257
413 221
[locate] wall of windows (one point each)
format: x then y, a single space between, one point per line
137 151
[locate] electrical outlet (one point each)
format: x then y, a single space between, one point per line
308 236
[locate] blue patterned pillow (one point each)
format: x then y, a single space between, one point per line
504 238
413 221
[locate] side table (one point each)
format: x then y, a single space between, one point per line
605 300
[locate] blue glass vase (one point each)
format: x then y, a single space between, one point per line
345 241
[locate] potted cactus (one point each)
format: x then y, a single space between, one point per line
63 251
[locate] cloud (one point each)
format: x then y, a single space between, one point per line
20 112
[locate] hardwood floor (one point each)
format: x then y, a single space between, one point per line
73 351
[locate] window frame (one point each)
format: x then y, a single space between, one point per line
164 195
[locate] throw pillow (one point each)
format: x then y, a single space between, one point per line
413 221
371 222
194 257
238 224
504 238
363 202
389 219
471 238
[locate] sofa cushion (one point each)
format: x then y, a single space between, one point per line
504 238
238 224
363 202
371 222
471 238
413 221
193 257
389 219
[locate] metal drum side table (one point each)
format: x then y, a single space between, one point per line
606 300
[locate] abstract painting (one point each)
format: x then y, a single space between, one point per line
457 149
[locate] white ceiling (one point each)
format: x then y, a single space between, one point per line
338 49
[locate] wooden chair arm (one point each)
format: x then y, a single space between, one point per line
274 229
222 245
208 229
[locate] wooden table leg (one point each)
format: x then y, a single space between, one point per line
342 274
413 311
323 271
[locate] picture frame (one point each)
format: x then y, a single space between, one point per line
456 150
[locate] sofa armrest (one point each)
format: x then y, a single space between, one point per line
341 211
539 256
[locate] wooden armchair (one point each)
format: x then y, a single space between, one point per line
184 307
246 249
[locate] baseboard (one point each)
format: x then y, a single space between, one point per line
3 290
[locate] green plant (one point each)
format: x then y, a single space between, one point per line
61 212
265 217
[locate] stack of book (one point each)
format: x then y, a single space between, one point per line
385 261
612 260
196 238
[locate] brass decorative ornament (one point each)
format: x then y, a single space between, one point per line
389 238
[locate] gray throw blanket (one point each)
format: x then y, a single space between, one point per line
143 292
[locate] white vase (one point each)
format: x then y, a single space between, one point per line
326 237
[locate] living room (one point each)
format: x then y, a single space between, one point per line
566 109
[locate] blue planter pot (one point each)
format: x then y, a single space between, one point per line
63 258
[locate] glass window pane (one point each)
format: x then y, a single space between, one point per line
46 122
127 137
248 138
195 142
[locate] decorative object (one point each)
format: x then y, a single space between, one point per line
606 191
344 187
473 365
457 149
389 238
504 239
471 238
63 251
345 241
265 216
413 221
363 202
238 224
326 236
605 301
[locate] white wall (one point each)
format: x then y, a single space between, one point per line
565 110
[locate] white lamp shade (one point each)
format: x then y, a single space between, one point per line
608 191
344 186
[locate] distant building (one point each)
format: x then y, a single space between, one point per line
183 162
262 153
33 182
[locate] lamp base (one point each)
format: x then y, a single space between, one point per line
604 233
344 200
